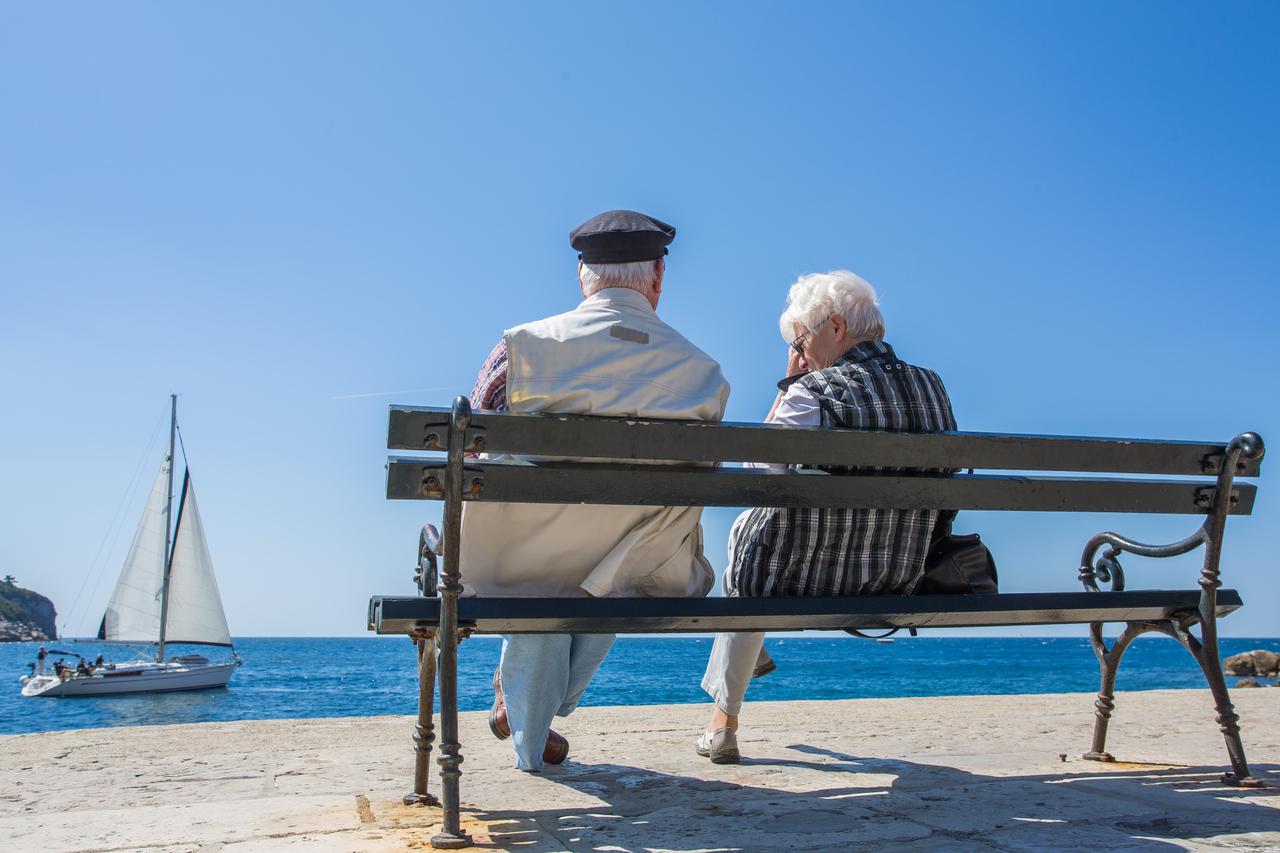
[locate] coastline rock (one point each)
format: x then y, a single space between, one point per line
25 616
1257 662
1248 682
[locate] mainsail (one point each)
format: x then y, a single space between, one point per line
133 614
195 608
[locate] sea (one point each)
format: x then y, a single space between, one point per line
301 677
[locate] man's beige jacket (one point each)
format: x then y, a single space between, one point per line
610 356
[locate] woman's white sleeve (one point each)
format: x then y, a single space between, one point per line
798 407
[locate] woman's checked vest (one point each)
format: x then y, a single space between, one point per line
814 552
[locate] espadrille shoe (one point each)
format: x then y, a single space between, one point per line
721 746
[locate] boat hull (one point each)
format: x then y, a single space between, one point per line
139 678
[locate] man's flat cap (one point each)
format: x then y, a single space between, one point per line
621 236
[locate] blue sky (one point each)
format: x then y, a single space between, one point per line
1069 211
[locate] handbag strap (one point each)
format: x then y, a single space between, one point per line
942 527
889 633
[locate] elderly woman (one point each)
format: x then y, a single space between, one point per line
841 374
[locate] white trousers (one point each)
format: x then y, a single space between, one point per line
734 656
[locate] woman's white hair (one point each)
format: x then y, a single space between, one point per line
815 297
636 275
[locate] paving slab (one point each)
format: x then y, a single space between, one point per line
978 773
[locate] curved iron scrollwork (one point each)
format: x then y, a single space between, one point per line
1107 569
427 574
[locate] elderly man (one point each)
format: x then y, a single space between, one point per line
610 356
841 374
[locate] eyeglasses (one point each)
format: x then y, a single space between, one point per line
798 343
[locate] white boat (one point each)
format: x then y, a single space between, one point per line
135 677
166 594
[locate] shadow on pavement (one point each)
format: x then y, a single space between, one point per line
872 803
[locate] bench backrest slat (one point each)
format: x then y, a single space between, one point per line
663 485
412 428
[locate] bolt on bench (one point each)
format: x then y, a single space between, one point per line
437 619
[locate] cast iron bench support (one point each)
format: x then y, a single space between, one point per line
1107 569
437 620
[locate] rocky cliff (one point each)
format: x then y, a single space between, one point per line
25 616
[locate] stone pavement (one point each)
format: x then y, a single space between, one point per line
941 774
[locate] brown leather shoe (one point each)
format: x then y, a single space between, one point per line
764 665
557 747
498 712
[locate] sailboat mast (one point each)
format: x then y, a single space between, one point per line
168 526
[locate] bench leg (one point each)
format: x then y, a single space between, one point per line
1109 664
424 733
451 836
1205 651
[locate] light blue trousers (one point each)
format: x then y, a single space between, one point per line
544 676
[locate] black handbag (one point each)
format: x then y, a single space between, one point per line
957 564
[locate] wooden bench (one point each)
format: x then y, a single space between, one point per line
1190 478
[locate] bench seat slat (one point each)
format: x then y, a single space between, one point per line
695 441
663 485
404 614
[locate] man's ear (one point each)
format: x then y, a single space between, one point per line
656 289
840 327
581 287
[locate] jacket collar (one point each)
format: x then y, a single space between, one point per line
619 297
866 351
857 354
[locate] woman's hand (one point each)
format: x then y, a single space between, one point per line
796 363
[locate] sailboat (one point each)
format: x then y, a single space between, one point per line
166 594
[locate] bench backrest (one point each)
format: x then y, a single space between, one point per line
1155 472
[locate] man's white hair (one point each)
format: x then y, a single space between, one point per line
815 297
636 275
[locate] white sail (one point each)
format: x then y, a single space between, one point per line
133 614
195 608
